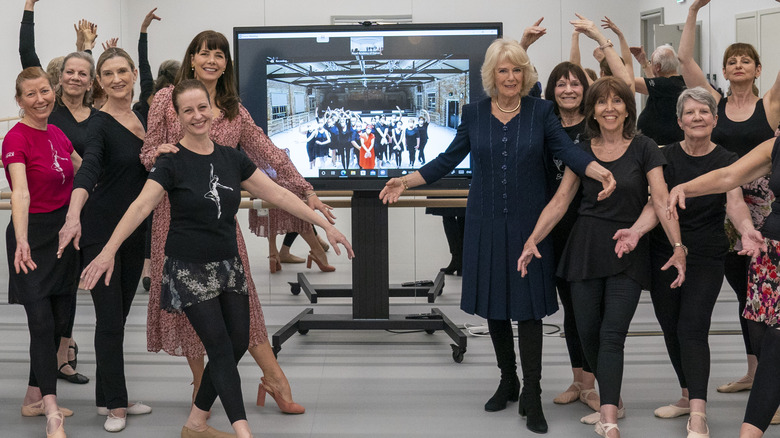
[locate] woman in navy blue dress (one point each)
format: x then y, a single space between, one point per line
508 136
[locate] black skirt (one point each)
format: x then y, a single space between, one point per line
53 276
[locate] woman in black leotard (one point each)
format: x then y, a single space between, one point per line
745 120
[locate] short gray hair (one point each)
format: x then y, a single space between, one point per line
697 94
665 58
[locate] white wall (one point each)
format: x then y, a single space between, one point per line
718 26
182 19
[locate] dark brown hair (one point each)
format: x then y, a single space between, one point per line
564 70
226 96
186 85
603 88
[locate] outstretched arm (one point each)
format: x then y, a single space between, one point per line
755 164
150 196
261 186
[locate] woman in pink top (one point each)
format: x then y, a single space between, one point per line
39 163
208 60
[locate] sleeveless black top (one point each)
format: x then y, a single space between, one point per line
742 137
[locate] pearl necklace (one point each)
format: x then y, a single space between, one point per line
508 111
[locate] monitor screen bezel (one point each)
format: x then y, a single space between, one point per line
448 182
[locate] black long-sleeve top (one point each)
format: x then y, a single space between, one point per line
113 175
147 80
61 116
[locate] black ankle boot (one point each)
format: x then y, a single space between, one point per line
508 390
531 408
455 266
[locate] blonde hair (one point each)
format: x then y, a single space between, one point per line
510 50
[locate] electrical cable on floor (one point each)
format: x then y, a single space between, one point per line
482 329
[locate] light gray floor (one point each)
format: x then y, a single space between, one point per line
375 384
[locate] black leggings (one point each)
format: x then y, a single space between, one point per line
222 324
47 320
736 270
290 237
112 304
603 309
684 315
421 151
765 396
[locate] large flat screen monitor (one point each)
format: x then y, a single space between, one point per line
356 105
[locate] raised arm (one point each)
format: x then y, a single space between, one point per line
647 66
772 102
753 165
574 51
625 50
144 69
532 33
619 69
691 72
27 36
86 35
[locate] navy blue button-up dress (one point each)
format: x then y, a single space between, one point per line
507 195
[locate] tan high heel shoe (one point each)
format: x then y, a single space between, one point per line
284 406
274 263
60 432
324 267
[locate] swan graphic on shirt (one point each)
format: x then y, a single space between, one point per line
213 194
55 162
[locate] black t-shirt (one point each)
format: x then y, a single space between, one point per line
659 118
205 192
701 222
630 171
771 228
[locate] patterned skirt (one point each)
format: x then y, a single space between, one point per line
185 284
763 294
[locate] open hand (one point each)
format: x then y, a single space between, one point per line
23 259
392 191
103 263
753 243
529 252
678 261
606 23
111 42
316 203
626 241
70 231
335 237
148 20
532 34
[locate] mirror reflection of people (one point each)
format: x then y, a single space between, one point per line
422 128
502 205
203 275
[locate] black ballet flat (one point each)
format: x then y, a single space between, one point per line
147 283
77 378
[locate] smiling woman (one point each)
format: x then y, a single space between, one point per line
111 177
510 135
39 162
